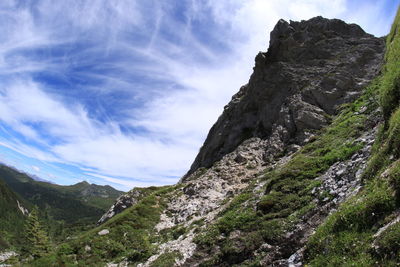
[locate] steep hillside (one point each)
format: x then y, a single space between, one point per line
301 167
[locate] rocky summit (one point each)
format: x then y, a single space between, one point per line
302 167
310 69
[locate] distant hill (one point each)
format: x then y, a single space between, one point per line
94 195
62 208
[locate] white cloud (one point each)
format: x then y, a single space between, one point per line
35 168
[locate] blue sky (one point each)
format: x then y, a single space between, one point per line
124 92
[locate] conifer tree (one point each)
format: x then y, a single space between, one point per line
37 240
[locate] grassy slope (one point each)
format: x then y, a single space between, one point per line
131 235
346 238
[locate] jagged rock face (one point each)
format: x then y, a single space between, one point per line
309 70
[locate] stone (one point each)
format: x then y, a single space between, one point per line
104 232
7 255
340 172
240 159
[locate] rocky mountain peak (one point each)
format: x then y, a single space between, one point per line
306 34
310 68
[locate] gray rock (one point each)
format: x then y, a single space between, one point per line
103 232
240 159
7 255
123 202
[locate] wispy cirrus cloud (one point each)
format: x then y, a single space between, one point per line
124 92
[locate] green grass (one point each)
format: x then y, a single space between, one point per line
131 234
388 243
390 89
166 260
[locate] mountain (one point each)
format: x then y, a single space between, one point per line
94 195
63 208
309 70
302 167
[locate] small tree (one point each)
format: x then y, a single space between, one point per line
37 240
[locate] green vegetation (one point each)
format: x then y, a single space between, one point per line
131 235
388 244
346 236
390 87
64 210
166 260
37 242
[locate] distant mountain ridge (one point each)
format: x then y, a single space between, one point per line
61 207
90 193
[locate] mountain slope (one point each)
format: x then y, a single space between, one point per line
304 138
63 209
94 195
81 195
12 217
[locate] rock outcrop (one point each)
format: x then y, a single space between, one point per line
123 202
4 256
310 69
